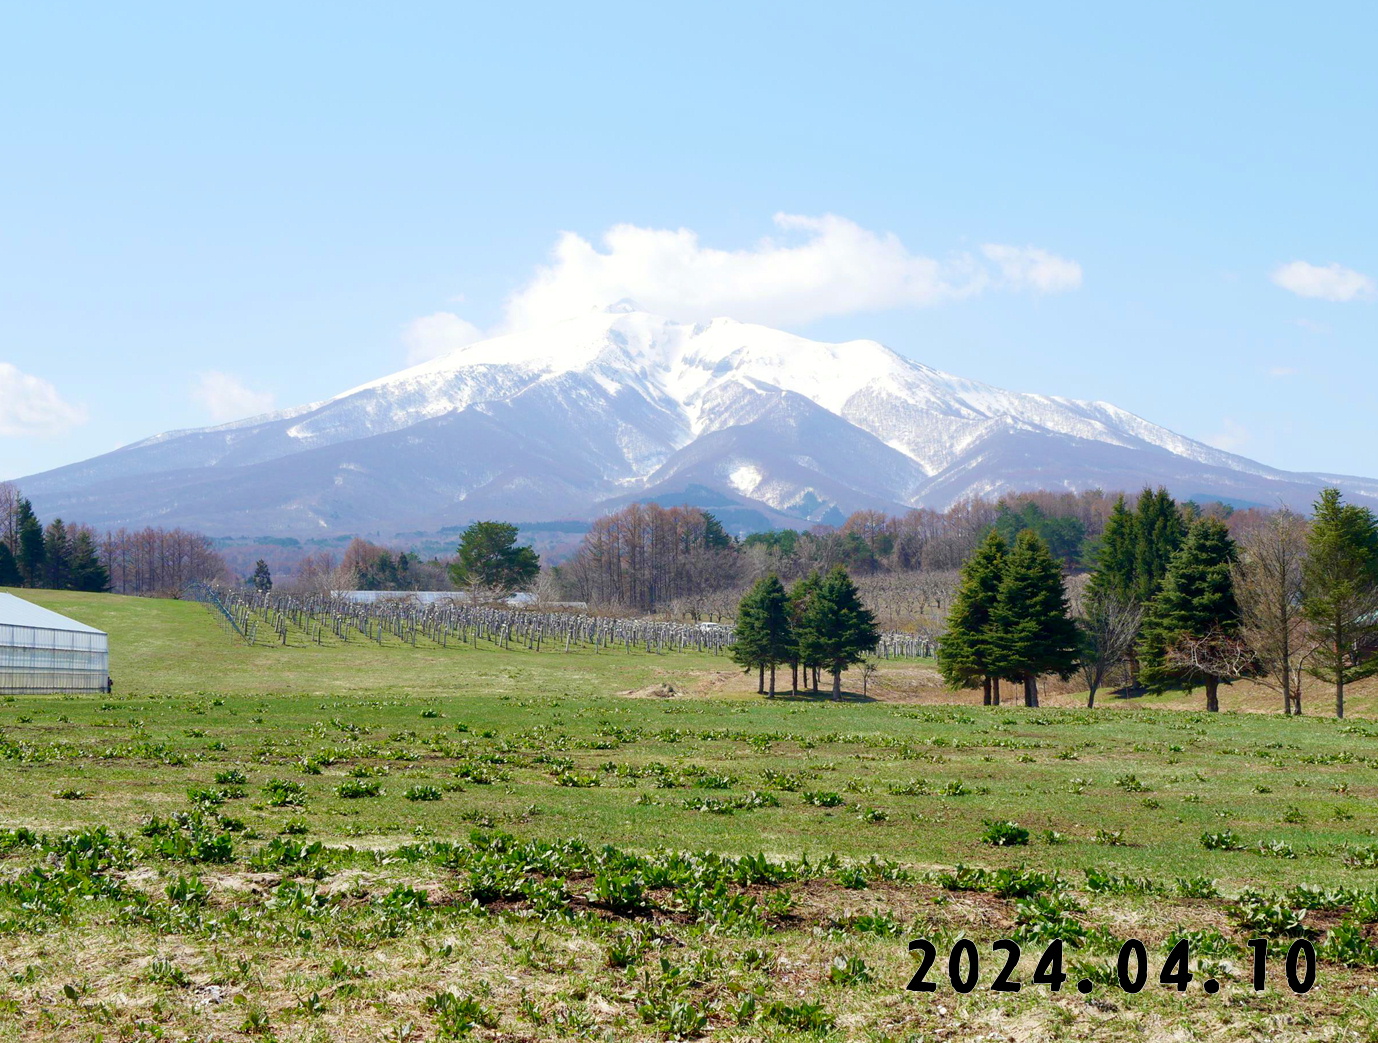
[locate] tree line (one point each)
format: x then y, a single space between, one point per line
1175 601
63 556
819 623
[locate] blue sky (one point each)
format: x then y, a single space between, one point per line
206 211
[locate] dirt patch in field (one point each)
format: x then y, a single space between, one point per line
663 690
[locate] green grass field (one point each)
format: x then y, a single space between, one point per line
363 842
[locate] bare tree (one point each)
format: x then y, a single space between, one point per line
1109 625
1214 657
1268 586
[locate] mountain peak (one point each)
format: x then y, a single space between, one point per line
619 404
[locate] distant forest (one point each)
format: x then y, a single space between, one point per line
644 558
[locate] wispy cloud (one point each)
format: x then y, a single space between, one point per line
31 406
1233 437
225 397
1281 372
1328 282
433 335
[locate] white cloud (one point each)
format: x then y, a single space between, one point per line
31 406
1330 282
1233 437
433 335
1280 372
225 397
1028 267
826 266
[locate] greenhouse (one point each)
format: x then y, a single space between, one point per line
42 651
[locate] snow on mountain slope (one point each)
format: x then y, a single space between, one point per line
561 421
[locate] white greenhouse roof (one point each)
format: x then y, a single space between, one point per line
17 612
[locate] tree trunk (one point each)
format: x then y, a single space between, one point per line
1030 690
1339 694
985 691
794 679
771 693
761 680
815 679
1213 694
1091 698
995 691
837 683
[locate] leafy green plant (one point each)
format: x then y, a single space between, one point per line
282 793
1004 834
355 789
422 793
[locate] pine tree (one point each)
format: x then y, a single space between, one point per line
57 556
842 630
777 630
9 570
1340 590
29 554
262 579
1158 533
800 602
87 571
1190 631
1116 572
1032 631
964 652
750 648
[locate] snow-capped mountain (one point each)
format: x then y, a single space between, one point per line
565 422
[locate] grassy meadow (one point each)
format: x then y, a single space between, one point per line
354 841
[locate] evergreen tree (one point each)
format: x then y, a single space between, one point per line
964 653
29 554
262 579
839 627
87 571
1115 572
9 570
714 535
764 631
1159 531
806 653
57 556
750 648
1032 631
1190 631
1340 590
489 558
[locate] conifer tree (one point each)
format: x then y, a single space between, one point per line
1115 566
262 579
805 652
842 629
1032 631
9 571
964 653
1190 631
1340 591
750 648
777 631
57 556
1159 531
29 554
87 571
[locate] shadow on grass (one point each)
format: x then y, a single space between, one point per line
824 695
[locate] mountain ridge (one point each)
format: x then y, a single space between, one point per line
569 420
